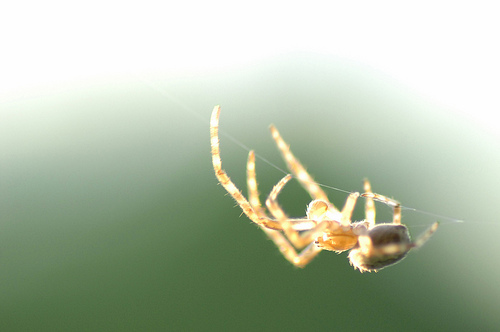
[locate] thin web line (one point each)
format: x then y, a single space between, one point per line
223 132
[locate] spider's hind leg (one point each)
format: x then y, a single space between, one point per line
369 204
396 206
420 241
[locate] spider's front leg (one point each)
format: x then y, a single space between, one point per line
286 248
226 182
298 170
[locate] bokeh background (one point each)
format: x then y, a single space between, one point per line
111 216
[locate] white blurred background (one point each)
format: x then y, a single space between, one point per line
443 50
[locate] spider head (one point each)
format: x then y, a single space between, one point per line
384 245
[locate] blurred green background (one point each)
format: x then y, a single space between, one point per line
112 219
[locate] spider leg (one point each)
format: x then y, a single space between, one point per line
396 206
298 239
287 250
369 204
426 235
306 255
226 182
253 192
300 224
348 208
298 170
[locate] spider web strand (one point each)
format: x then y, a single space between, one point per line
222 132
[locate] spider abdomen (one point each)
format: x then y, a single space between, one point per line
389 245
383 234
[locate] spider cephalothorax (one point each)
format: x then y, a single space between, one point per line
372 246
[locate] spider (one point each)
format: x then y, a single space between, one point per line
372 246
